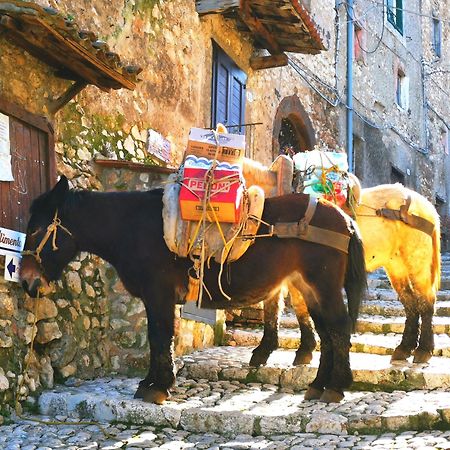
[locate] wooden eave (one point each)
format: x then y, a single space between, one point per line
75 54
276 25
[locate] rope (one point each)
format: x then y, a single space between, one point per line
51 229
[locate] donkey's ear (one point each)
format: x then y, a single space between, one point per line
60 190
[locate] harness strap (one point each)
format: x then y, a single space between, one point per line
412 220
311 233
303 230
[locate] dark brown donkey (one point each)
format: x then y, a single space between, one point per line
117 225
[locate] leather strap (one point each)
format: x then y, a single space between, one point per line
311 233
303 230
412 220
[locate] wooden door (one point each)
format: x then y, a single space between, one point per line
32 162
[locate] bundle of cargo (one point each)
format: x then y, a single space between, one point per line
208 211
217 190
212 186
323 174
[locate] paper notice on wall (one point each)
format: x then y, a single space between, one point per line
5 168
5 150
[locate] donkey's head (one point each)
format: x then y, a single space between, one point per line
49 244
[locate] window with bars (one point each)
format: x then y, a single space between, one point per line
437 36
395 14
228 92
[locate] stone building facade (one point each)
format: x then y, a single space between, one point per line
87 324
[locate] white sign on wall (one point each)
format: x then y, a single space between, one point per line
12 264
5 150
11 245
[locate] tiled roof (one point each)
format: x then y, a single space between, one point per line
76 54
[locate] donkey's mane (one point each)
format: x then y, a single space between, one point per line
76 196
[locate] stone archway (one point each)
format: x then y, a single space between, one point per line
292 130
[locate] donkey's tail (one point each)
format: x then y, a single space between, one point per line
436 260
355 283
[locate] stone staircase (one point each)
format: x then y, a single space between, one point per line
380 324
217 392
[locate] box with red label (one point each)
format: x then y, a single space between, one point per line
226 191
226 147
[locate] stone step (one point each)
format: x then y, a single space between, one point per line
390 308
217 392
390 294
372 323
384 344
372 343
381 324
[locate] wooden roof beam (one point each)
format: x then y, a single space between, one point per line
258 28
268 62
55 105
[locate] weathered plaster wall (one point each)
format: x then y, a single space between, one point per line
437 93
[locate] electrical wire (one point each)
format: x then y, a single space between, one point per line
338 101
380 41
412 12
357 21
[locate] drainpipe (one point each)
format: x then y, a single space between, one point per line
349 109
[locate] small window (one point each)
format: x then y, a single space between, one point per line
395 14
437 36
228 92
402 90
445 138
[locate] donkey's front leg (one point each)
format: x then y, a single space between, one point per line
161 377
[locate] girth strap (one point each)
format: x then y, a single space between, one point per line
303 230
412 220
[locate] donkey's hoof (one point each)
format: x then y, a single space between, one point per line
313 393
421 356
158 396
302 358
258 359
400 354
331 396
140 391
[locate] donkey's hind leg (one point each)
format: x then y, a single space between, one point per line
411 331
332 322
424 351
308 340
269 341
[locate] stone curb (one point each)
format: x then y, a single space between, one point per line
255 410
217 392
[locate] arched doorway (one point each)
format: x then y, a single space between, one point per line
292 131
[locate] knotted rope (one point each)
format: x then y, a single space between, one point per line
51 229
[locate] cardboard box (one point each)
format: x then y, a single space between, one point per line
203 143
225 199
